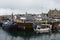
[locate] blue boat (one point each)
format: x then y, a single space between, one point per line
9 25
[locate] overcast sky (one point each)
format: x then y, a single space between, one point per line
31 6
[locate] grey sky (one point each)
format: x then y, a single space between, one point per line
31 6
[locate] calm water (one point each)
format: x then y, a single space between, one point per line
27 36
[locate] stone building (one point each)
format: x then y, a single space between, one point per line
54 13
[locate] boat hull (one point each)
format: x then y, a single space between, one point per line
47 30
19 27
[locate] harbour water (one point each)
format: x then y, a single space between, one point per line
27 36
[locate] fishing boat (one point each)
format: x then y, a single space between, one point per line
23 23
9 25
43 28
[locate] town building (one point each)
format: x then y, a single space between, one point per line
54 13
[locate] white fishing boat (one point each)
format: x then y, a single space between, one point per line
43 28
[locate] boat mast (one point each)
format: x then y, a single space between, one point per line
12 17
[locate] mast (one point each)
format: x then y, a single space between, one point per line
12 17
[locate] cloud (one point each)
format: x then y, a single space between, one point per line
31 6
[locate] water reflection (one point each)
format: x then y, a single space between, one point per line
27 35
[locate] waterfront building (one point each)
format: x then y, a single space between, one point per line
54 13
